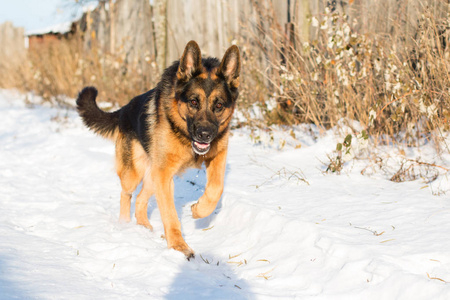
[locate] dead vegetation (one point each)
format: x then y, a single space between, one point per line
395 85
62 67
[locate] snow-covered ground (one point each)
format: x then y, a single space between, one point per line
282 230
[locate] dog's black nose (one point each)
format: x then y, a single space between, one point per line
204 134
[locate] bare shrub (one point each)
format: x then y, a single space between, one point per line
62 67
397 86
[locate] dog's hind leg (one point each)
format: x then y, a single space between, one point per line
129 180
142 203
125 200
130 175
215 174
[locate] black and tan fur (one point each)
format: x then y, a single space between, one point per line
183 122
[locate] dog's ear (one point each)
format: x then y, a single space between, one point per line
231 66
190 62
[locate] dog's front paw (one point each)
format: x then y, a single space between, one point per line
194 210
203 208
199 212
185 249
145 223
175 241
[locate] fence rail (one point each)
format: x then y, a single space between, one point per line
163 30
159 32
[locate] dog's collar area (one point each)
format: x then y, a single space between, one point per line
200 148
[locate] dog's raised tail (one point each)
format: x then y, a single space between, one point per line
103 123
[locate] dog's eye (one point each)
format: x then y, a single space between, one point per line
193 102
219 106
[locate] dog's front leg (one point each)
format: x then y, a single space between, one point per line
215 175
164 186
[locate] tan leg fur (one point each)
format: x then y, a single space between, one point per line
163 179
215 173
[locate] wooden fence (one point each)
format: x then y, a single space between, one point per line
141 32
163 30
12 44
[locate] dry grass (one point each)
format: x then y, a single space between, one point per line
396 86
62 67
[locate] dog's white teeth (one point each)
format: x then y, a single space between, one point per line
201 146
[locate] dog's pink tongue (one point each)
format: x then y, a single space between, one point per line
201 146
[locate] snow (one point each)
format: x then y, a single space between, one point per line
283 229
56 28
66 18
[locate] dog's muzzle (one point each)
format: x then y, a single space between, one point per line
203 136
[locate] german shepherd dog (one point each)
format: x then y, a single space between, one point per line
183 122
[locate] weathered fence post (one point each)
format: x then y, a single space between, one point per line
12 45
112 28
160 25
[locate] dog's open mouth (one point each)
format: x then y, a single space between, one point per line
200 148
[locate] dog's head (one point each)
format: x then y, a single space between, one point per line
206 93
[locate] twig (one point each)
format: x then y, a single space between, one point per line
205 260
390 102
436 278
428 164
373 231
